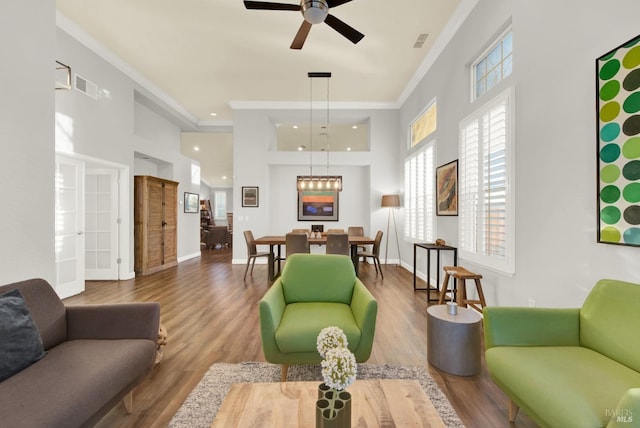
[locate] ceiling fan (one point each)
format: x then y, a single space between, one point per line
314 12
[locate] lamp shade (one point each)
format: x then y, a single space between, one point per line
390 201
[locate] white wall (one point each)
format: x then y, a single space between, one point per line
27 140
367 175
555 46
160 139
353 201
115 126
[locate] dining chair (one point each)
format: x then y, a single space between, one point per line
337 243
335 231
374 254
296 243
252 252
357 231
301 231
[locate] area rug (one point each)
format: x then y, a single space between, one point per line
201 406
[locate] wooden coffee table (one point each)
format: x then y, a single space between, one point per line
374 403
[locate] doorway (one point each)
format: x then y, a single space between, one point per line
92 234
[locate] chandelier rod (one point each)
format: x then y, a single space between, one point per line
310 127
326 130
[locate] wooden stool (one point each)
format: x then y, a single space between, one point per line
461 274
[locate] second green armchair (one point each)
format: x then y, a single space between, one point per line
313 292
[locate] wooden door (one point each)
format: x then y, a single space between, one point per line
170 222
154 222
156 218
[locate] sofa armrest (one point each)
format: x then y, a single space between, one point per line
365 310
271 309
114 321
516 326
627 412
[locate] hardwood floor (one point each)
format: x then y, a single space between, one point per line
211 316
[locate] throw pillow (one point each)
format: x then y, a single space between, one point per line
20 341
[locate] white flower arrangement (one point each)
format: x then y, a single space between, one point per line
339 367
330 338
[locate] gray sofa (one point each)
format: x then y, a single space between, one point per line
95 356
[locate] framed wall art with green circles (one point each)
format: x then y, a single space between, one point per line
618 111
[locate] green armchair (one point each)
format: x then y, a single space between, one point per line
570 367
313 292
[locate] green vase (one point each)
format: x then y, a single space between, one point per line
333 408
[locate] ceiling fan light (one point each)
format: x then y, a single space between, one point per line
314 11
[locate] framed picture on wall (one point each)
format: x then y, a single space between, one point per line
618 150
250 196
447 189
191 202
315 205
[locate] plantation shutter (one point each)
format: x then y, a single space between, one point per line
483 216
468 198
419 195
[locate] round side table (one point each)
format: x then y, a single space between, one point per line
453 341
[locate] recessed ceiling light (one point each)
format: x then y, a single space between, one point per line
213 114
224 177
196 148
348 149
295 126
301 148
354 127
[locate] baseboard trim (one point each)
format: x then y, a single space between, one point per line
259 261
64 291
128 275
188 257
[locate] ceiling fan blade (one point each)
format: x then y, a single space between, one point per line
346 30
301 36
263 5
334 3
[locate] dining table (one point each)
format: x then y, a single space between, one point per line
275 243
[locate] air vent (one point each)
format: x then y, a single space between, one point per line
87 87
420 40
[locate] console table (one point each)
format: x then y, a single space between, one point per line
437 248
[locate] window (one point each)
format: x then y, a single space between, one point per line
486 220
220 203
425 124
493 65
419 176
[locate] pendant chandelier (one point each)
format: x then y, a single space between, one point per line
318 182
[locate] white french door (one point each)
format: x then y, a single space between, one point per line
69 226
101 224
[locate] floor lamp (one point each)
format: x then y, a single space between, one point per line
392 202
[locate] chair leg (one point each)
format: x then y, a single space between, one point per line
252 265
461 293
445 287
247 268
375 265
128 402
480 293
513 411
380 267
283 372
